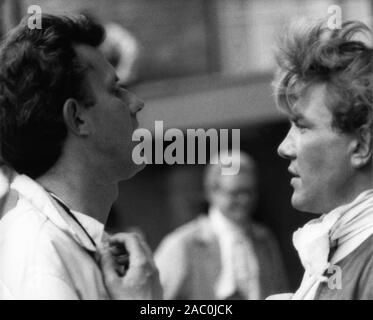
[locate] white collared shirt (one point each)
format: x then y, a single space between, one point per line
44 253
229 235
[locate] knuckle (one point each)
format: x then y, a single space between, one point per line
133 238
146 269
133 235
110 279
143 263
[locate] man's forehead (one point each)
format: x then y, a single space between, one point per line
93 60
311 97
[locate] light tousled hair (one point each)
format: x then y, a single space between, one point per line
340 59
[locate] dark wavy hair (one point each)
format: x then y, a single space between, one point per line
341 59
39 71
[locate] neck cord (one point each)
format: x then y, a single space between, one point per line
68 211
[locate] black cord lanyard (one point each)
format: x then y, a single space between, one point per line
68 211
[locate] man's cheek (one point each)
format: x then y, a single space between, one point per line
313 161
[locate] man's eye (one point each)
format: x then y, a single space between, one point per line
299 126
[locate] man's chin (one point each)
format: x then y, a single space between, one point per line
238 217
300 204
129 173
137 169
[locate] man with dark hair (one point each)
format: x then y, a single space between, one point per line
66 128
325 86
223 255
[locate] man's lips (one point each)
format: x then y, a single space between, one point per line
294 174
294 180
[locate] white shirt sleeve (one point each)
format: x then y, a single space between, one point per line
44 286
40 286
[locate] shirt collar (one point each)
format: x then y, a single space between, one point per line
36 195
94 228
222 226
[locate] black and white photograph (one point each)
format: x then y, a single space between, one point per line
202 151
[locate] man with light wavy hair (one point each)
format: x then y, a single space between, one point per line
325 87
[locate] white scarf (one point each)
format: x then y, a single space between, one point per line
233 266
345 227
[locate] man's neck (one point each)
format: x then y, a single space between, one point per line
81 191
242 226
359 185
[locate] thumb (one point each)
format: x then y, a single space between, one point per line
107 263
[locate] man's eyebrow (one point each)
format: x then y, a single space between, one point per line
296 116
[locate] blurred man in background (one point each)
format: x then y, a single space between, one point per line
325 86
223 255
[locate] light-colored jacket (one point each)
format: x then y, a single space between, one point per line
189 261
44 254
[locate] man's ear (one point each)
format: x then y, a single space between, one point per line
362 147
73 114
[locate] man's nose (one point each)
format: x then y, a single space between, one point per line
286 148
136 104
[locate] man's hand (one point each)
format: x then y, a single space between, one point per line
128 268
